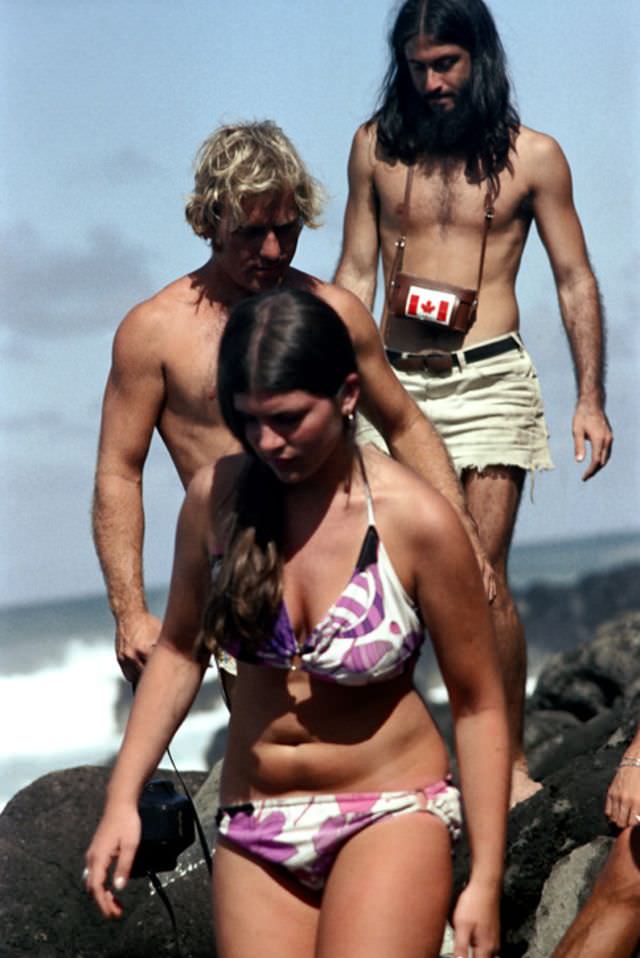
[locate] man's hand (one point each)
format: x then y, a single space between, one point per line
487 573
136 636
486 569
590 424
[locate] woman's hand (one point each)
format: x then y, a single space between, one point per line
116 840
623 798
476 921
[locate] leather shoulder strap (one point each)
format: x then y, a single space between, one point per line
489 211
401 242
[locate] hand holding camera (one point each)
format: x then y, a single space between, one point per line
138 842
110 856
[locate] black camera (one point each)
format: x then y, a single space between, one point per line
167 828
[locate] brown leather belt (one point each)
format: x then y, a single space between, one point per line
439 361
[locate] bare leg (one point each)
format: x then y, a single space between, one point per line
493 497
388 892
609 923
257 913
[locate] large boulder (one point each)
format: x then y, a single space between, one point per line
44 910
584 696
574 751
564 893
566 814
590 678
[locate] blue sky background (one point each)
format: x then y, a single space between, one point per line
102 108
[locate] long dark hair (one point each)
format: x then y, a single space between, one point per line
468 24
276 342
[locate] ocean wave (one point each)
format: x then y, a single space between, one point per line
65 715
61 707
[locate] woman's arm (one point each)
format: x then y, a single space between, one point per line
167 688
452 601
623 798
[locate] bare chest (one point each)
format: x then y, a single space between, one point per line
442 204
190 368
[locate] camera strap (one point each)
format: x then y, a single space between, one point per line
196 818
200 830
166 901
401 242
152 875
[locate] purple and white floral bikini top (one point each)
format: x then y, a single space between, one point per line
367 635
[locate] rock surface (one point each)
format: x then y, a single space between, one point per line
593 698
564 894
44 911
585 708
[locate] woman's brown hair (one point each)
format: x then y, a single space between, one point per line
277 342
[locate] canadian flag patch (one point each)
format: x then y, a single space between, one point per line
430 304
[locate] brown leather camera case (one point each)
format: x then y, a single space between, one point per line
416 305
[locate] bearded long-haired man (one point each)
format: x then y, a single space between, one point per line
444 184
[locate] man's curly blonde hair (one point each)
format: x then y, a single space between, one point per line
245 160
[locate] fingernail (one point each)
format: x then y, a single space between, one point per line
119 883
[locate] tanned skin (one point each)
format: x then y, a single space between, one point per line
163 376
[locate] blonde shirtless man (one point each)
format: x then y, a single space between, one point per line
252 197
479 179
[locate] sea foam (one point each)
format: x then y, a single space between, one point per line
65 715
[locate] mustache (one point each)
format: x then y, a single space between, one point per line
430 98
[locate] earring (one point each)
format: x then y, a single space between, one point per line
349 420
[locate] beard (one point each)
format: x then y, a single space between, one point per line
443 131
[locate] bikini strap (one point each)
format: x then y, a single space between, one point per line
367 488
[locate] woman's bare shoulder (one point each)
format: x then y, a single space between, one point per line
405 499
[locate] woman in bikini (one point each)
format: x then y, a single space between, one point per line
319 566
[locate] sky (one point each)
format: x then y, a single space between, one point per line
102 108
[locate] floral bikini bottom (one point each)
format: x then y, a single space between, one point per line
305 833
